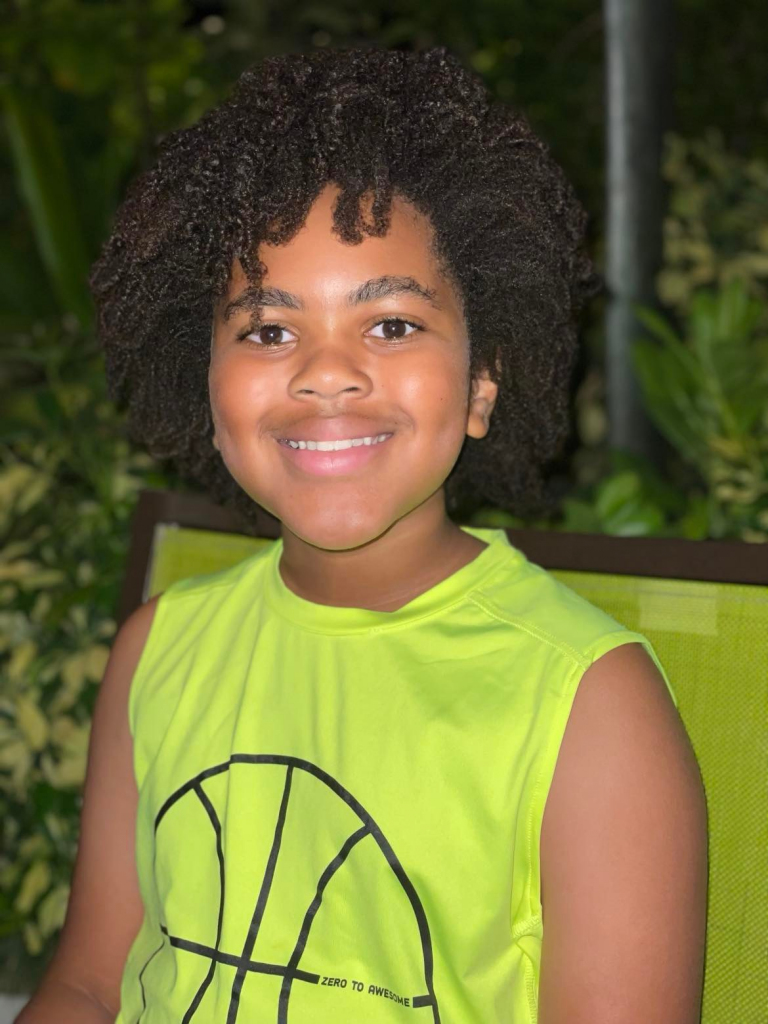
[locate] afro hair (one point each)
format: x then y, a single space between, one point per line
375 123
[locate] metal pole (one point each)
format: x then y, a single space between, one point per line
638 100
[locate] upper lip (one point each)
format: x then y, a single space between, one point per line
338 429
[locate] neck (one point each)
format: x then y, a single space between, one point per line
412 555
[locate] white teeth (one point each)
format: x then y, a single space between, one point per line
337 446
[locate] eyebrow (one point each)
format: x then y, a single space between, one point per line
383 287
253 299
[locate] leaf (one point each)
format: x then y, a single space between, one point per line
579 517
44 182
42 578
41 608
13 480
14 549
638 518
74 738
663 493
656 324
73 672
20 660
616 492
14 754
96 658
736 313
35 882
78 616
52 910
65 772
727 448
668 400
34 846
673 351
31 722
18 570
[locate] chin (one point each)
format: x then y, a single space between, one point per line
342 530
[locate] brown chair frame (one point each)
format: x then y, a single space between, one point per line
663 557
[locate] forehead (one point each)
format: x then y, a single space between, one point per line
316 257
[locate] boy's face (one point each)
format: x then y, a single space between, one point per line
355 341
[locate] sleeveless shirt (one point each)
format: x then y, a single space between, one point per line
340 809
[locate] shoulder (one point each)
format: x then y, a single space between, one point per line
529 598
132 635
124 658
243 571
623 846
622 721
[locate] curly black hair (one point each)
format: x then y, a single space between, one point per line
375 123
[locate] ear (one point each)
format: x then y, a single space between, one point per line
481 402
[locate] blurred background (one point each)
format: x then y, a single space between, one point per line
670 402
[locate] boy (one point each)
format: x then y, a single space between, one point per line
386 769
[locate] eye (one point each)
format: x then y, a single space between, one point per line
267 336
394 328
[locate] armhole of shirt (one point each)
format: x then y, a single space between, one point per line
551 749
150 642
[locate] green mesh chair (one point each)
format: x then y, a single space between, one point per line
704 606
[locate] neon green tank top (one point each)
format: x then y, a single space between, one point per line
340 809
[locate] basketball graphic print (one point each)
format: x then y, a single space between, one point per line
310 914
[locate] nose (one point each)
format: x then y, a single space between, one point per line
330 369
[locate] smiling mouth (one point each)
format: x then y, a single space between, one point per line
335 446
334 458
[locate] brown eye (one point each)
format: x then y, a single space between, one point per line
269 336
394 329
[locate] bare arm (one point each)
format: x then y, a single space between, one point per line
623 854
82 983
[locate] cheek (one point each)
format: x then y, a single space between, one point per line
237 395
437 395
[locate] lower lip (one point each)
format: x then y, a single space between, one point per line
347 460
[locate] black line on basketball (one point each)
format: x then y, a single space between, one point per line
261 902
231 960
327 875
214 819
363 815
421 918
